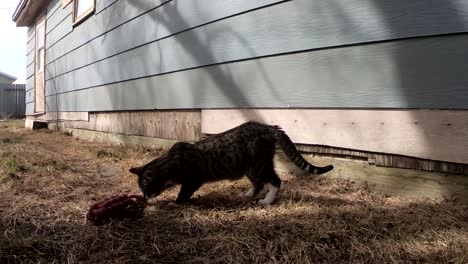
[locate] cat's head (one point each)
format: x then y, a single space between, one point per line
164 172
154 177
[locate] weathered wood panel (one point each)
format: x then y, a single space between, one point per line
386 160
416 73
182 125
189 15
428 134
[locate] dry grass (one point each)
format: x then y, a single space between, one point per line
48 180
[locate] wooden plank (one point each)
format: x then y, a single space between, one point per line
61 116
115 15
391 181
182 125
385 75
58 16
64 28
189 15
415 133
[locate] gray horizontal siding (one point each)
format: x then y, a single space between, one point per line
30 70
30 58
117 41
414 73
30 83
268 31
31 34
58 16
102 4
31 45
30 109
60 31
111 17
53 7
30 96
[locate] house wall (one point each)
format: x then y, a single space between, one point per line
205 54
30 59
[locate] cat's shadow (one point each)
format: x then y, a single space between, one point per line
215 200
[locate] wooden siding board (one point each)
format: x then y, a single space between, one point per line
416 73
116 41
111 17
59 16
416 133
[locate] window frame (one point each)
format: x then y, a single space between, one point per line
66 2
78 19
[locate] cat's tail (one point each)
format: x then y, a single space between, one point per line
293 154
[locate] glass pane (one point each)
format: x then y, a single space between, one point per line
40 60
82 6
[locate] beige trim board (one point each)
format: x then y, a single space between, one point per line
69 116
428 134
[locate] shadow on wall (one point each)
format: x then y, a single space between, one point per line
412 88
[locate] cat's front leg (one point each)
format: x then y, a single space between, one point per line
186 191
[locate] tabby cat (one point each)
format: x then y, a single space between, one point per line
244 150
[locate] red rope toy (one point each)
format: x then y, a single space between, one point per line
118 206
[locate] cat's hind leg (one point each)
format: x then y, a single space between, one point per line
255 189
273 186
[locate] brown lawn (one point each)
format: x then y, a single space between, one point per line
49 179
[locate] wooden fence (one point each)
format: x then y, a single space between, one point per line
12 101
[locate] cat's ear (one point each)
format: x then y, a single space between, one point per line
137 170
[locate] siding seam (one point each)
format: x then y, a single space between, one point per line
123 23
252 58
166 37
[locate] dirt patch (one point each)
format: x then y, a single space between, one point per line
48 180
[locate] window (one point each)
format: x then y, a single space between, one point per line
82 9
65 3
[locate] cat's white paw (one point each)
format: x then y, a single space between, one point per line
173 205
264 202
250 193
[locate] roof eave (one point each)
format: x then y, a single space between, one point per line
27 11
